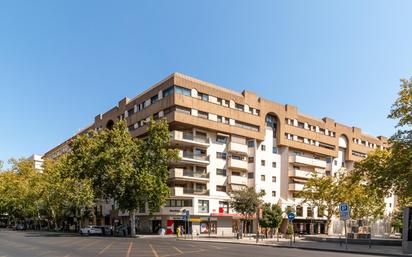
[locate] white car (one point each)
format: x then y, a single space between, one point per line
91 230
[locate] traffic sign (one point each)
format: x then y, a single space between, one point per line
344 211
291 216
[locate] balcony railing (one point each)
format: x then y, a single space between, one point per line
194 191
188 137
307 161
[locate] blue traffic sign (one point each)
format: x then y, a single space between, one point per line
344 211
291 216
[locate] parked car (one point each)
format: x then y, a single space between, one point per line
20 227
121 230
106 230
91 230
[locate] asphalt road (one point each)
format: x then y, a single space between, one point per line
35 244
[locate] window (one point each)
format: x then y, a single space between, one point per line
263 191
203 115
221 155
221 139
239 107
154 99
309 212
183 91
251 159
203 206
335 162
131 127
204 97
328 159
183 109
250 175
262 162
262 177
263 147
301 124
219 118
236 173
221 188
246 125
299 211
327 173
168 91
221 172
274 193
274 149
273 164
130 112
251 143
223 207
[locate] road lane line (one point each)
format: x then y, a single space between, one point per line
129 250
177 249
216 247
105 249
154 251
89 244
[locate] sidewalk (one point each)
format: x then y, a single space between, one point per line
312 245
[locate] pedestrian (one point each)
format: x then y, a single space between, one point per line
178 232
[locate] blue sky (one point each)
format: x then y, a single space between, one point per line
63 62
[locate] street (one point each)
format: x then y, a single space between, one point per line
43 244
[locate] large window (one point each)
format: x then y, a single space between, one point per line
299 211
221 155
179 203
204 97
168 91
203 206
154 99
221 188
309 212
221 172
221 139
183 91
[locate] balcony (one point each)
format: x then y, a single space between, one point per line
238 180
185 191
237 164
189 157
300 173
296 187
307 161
188 138
238 148
190 175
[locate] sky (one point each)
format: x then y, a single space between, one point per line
64 62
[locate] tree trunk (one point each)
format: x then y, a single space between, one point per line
133 223
241 229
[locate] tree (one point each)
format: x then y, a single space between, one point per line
146 179
322 192
389 171
271 218
246 202
61 194
365 202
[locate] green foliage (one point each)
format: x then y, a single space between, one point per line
246 201
390 171
271 216
323 192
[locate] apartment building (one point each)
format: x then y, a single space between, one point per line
229 140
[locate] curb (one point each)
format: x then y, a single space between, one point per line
303 248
